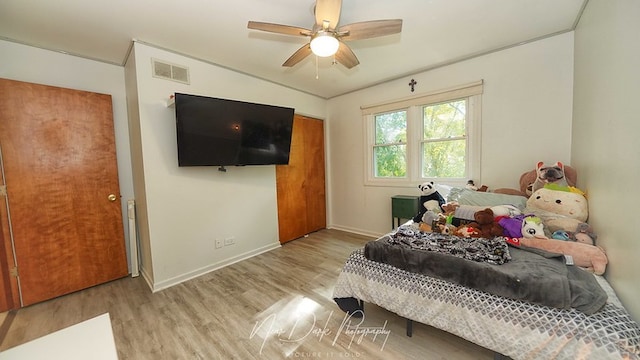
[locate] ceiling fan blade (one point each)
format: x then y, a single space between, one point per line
328 10
279 29
297 56
345 56
370 29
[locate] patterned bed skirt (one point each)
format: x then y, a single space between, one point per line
514 328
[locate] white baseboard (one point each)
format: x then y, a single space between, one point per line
356 231
209 268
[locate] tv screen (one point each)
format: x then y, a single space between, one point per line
221 132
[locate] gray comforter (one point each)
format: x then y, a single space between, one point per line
531 275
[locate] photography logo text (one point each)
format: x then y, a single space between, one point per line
307 327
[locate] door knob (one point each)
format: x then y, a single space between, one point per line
111 197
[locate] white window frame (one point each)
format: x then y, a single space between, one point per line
413 105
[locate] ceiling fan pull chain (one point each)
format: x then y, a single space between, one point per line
317 76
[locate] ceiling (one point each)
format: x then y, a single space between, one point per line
435 33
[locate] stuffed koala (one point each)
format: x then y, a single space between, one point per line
430 199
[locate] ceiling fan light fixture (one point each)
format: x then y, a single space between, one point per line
324 44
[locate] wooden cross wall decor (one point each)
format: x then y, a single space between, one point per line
412 84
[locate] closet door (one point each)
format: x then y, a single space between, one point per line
301 184
315 174
62 191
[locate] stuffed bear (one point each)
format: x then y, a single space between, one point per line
484 222
450 207
430 199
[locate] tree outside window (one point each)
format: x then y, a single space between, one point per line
444 140
390 148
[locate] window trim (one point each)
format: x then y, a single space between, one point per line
444 95
413 105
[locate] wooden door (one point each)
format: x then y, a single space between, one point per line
301 183
315 175
290 185
60 172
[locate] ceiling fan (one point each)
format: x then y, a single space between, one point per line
326 38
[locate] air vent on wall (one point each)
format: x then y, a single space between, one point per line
165 70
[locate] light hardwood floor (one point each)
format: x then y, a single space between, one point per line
275 305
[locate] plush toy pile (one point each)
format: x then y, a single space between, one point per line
554 219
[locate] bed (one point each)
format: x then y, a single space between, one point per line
512 324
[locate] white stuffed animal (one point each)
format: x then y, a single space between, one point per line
532 227
558 207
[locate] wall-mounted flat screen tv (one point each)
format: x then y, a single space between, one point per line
221 132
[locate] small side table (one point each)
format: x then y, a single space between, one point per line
403 207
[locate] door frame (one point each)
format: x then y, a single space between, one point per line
9 281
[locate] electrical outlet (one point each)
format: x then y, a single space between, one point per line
229 241
219 243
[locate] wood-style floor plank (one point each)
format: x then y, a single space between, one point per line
276 305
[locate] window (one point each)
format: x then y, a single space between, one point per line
444 144
434 137
390 147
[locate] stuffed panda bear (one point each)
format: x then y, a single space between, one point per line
430 199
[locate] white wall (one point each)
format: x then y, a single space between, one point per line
606 133
188 208
526 118
30 64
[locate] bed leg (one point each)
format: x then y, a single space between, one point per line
409 327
